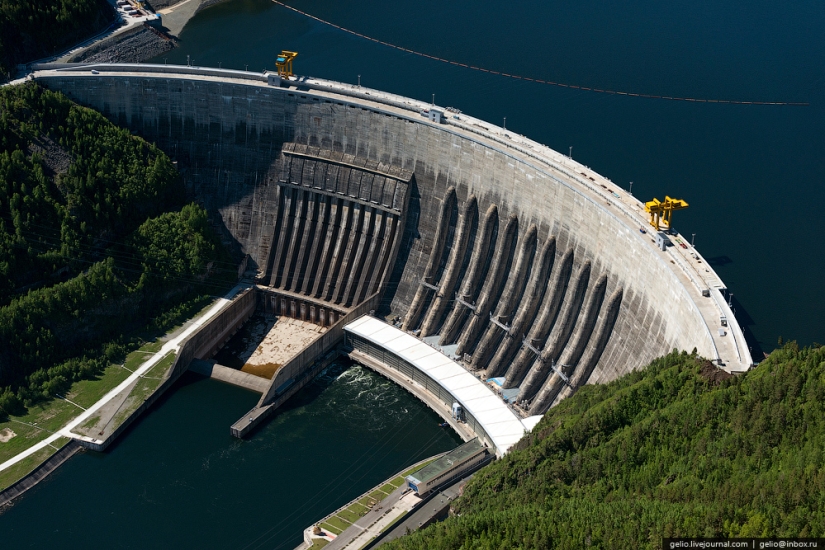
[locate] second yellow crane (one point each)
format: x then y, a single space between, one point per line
661 212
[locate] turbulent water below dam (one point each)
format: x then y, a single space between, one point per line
179 480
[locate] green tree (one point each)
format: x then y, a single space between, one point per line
675 450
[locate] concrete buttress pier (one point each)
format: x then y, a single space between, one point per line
522 263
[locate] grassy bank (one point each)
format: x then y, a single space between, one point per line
10 476
47 417
342 519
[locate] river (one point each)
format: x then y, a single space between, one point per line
177 479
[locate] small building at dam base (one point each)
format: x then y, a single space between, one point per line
447 468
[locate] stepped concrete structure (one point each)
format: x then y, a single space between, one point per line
522 263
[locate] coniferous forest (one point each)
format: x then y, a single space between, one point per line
96 241
32 29
679 449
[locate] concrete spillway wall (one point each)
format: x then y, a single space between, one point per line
202 343
609 300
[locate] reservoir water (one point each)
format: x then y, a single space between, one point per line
179 480
754 175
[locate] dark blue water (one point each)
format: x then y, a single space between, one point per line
179 480
754 175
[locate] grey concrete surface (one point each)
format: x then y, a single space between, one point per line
475 274
231 134
175 18
230 376
510 298
453 271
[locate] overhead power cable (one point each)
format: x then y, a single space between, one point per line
538 80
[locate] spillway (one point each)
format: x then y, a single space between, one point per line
534 266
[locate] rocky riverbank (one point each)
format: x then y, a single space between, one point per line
134 46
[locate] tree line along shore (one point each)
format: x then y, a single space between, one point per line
678 449
98 242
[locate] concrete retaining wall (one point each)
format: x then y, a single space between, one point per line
39 474
296 306
318 347
301 369
201 344
230 376
213 335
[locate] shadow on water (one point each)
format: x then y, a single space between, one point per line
341 370
237 351
345 432
746 322
304 397
719 261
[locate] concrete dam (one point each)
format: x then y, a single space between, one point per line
522 264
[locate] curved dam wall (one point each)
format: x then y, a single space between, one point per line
524 260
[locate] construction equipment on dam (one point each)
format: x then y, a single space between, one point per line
661 212
284 63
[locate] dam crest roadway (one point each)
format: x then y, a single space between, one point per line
519 263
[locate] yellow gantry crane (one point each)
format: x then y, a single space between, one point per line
284 63
661 212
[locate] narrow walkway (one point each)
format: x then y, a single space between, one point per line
400 501
170 346
436 508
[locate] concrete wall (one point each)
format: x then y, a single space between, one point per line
301 369
201 344
294 368
227 135
40 473
211 337
295 306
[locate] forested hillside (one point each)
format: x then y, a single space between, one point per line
32 29
70 184
95 241
677 449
